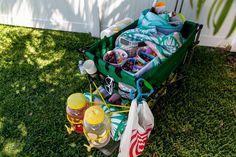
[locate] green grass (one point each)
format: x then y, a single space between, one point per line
38 71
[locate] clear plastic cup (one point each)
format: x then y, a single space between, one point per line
90 67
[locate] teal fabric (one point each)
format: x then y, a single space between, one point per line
118 122
156 29
149 20
169 42
155 76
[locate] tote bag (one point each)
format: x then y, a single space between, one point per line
139 126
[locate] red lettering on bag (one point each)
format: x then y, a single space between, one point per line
138 142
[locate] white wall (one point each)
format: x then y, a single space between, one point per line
95 15
207 37
114 10
67 15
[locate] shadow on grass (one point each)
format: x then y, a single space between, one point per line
201 118
38 71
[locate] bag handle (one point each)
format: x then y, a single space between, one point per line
140 94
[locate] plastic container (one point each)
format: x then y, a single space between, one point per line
75 109
131 50
120 56
116 27
96 127
81 68
90 67
129 65
145 56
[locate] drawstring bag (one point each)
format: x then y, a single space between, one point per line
139 126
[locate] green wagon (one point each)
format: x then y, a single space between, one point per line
159 76
155 76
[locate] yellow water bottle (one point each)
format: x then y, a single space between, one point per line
96 127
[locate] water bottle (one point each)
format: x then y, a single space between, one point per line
81 68
116 27
76 106
96 127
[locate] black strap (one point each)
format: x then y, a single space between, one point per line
82 51
95 59
141 44
107 66
118 72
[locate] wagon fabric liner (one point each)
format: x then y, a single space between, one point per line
155 76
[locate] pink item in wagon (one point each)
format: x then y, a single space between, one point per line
115 57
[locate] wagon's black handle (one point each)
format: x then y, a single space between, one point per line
82 51
199 29
176 4
181 6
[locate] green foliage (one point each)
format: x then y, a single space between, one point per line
38 71
191 3
200 4
210 13
222 17
233 27
217 8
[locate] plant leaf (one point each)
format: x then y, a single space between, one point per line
218 7
222 16
200 4
191 3
233 27
210 13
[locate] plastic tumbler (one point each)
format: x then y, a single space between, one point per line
90 67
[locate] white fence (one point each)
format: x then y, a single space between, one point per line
95 15
67 15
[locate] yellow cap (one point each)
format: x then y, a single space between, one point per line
94 115
76 101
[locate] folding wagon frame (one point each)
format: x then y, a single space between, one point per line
170 75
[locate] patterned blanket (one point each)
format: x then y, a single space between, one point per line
155 29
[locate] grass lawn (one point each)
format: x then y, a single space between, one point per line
38 71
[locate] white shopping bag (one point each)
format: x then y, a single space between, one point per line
139 126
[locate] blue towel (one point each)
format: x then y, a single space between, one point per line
149 20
